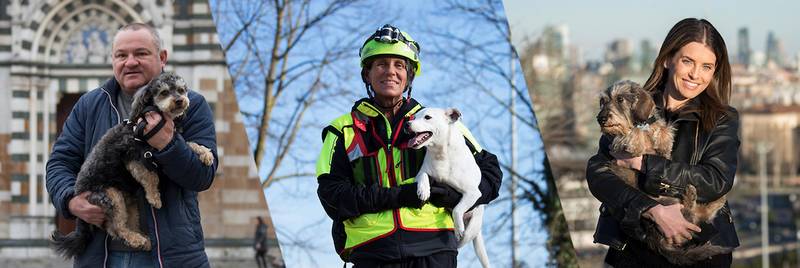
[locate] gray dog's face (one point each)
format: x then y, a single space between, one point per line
622 106
171 95
430 125
168 92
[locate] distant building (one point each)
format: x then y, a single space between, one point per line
797 63
774 50
744 51
550 51
647 55
620 54
779 128
51 52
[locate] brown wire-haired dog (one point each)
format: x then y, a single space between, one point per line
121 162
628 114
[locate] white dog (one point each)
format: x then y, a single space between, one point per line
448 160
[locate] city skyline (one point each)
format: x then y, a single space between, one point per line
591 28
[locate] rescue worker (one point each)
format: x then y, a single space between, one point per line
366 169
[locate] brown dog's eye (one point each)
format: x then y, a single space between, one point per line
427 117
620 99
164 93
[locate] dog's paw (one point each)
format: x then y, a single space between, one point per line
207 158
156 203
100 199
138 241
154 200
203 153
423 191
147 246
459 235
690 194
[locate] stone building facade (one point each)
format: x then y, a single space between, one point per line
52 51
777 127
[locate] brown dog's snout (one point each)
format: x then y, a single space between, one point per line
602 117
602 120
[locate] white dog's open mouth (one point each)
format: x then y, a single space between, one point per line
419 139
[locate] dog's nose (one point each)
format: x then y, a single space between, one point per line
602 119
179 101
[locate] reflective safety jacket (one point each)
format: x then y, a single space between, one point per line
364 158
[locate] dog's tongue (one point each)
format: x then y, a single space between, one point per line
417 139
414 141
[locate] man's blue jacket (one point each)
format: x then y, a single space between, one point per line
174 230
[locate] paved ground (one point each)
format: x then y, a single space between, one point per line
60 263
44 257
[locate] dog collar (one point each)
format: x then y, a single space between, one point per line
646 123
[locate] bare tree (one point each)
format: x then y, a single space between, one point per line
279 84
267 68
481 54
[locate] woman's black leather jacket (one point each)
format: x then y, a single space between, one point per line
705 159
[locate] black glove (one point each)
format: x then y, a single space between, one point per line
444 196
408 196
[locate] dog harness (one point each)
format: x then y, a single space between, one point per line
142 137
388 165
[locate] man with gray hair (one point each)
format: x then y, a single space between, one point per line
174 230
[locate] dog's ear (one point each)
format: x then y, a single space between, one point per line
141 99
452 114
644 105
180 82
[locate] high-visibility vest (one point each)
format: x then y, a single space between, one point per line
389 166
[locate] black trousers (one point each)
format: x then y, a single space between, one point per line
437 260
637 254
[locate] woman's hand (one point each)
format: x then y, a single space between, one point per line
671 223
627 161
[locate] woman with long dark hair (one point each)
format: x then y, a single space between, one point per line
691 85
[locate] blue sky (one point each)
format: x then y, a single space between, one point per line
295 208
594 23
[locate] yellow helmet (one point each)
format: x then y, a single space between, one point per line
388 40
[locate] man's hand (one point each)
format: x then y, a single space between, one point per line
81 208
164 136
671 223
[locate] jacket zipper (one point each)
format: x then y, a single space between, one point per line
389 165
390 158
695 154
110 102
392 177
693 160
696 143
119 118
158 240
105 257
152 211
